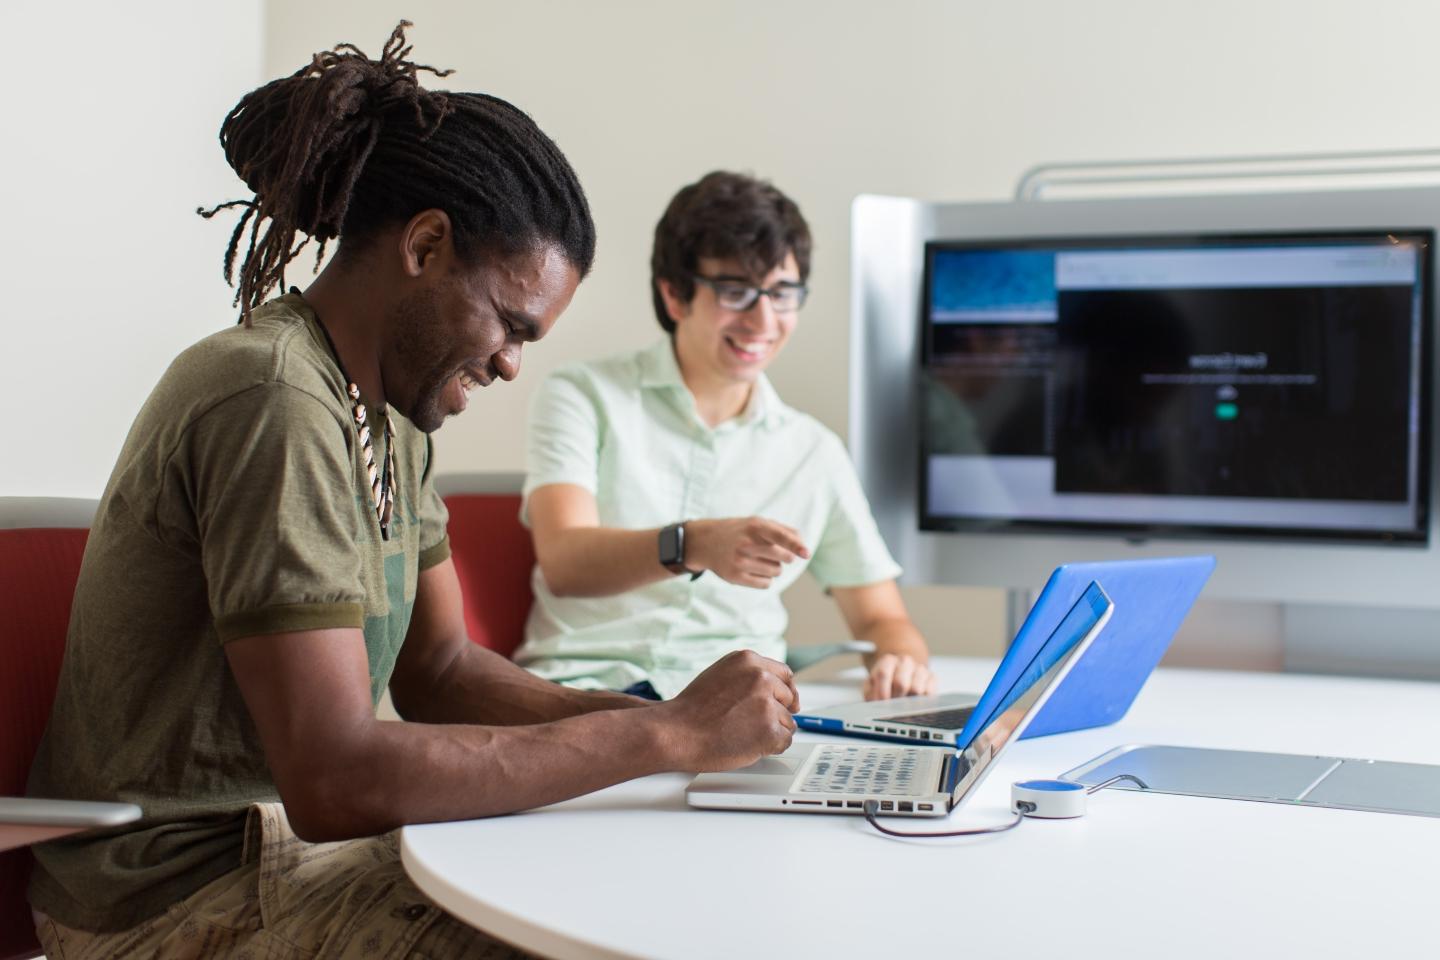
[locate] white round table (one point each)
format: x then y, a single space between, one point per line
633 872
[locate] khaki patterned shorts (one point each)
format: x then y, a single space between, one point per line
292 900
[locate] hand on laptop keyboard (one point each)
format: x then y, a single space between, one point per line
893 675
734 713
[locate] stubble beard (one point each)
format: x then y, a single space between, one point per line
420 350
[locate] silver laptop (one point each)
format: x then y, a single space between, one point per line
909 781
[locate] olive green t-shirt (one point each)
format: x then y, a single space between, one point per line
240 506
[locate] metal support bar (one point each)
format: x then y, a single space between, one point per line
1391 164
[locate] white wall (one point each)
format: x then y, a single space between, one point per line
111 117
109 273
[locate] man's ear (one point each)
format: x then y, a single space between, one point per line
427 243
677 308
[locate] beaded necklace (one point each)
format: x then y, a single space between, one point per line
382 485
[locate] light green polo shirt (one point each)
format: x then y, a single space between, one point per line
626 429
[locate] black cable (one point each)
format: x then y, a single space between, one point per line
872 807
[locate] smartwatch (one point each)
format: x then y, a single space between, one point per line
672 550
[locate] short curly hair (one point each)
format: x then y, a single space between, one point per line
725 216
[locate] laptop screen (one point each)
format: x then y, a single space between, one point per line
1007 719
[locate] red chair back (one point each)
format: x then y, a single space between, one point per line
493 557
39 567
38 570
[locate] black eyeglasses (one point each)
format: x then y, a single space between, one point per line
737 295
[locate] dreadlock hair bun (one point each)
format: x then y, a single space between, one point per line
348 145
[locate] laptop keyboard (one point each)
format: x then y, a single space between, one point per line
864 770
952 719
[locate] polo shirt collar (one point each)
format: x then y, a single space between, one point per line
765 406
659 369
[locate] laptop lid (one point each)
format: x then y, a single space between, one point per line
1010 703
1152 598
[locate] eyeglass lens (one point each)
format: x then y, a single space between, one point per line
742 296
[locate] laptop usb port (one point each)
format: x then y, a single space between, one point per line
887 805
853 805
834 803
927 806
906 806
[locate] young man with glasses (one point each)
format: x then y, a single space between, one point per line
673 496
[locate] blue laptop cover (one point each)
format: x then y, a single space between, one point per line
1151 599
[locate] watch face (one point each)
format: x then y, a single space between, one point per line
671 539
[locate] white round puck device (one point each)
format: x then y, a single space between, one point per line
1048 799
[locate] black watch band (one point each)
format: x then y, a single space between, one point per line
672 550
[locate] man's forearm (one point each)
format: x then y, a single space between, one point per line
343 773
391 774
897 636
480 686
600 561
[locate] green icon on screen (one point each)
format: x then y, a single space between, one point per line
1226 411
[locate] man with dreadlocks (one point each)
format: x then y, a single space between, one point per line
270 555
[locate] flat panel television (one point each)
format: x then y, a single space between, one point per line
1266 385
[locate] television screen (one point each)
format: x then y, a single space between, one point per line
1264 385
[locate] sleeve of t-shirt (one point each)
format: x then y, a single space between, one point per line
851 552
270 478
563 441
433 514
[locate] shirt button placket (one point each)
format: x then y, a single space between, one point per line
701 476
694 505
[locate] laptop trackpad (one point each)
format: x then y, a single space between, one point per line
767 777
783 765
